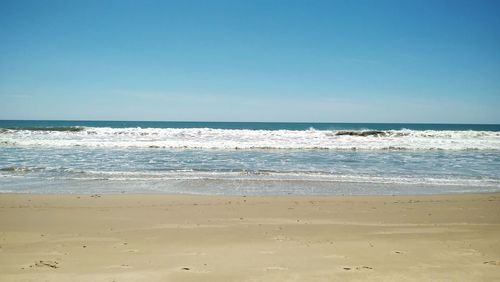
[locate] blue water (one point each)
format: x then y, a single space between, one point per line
233 158
247 125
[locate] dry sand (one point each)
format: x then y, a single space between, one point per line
210 238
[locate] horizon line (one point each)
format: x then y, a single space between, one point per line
191 121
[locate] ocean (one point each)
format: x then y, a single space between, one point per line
238 158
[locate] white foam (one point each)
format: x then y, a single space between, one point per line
285 176
208 138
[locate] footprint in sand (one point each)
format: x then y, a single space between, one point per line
358 268
492 262
281 238
199 271
46 263
121 266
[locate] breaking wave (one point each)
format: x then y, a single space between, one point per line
210 138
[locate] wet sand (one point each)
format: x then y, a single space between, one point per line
211 238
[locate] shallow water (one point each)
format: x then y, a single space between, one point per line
71 157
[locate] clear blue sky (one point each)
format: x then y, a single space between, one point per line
329 61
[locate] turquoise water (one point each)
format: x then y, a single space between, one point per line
234 158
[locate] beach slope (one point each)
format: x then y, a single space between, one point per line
211 238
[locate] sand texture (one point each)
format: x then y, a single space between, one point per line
210 238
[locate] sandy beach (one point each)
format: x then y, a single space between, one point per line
211 238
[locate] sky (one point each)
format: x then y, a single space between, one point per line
313 61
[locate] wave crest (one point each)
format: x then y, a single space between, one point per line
209 138
60 128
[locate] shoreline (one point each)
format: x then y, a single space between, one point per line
179 237
236 187
189 194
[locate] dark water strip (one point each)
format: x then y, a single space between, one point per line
75 125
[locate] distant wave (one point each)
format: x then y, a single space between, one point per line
209 138
50 128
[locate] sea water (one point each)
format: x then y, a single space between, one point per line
234 158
